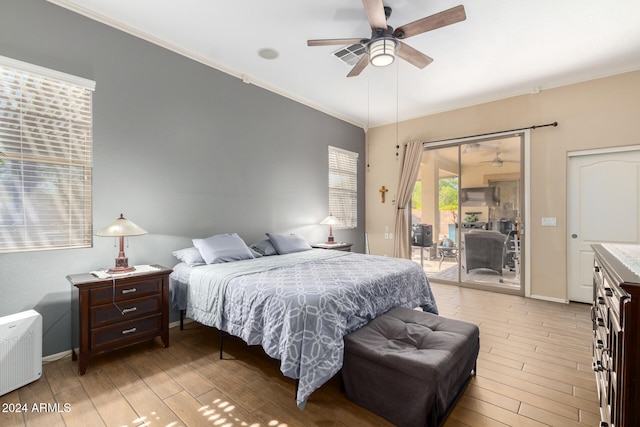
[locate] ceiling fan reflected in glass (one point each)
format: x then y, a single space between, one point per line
386 43
498 161
475 147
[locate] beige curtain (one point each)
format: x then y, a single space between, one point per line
408 174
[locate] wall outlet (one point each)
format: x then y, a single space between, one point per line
549 222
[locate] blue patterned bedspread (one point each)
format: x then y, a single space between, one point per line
299 306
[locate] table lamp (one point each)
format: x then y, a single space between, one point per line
119 228
331 221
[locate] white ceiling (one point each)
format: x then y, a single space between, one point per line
504 48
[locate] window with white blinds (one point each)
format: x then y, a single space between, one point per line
343 187
45 158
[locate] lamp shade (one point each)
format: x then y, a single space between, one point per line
330 220
121 227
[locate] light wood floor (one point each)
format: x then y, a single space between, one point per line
534 369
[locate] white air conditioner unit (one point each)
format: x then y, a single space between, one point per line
20 350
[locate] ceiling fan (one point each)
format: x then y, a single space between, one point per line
385 42
474 147
498 161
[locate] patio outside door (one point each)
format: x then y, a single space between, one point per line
471 187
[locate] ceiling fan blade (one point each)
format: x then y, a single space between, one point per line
413 56
329 42
362 63
439 20
375 13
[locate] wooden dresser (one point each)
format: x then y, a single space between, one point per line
616 338
112 313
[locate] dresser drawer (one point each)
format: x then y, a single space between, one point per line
121 333
613 293
601 308
108 313
124 291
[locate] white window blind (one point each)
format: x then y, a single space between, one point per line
45 158
343 187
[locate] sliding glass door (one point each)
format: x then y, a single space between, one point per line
466 213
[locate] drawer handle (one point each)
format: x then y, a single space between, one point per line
128 331
597 269
605 361
601 301
600 321
597 366
129 291
129 310
608 292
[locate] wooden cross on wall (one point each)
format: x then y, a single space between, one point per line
382 191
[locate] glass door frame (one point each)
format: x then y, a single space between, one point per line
525 174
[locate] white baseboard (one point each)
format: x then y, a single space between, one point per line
177 323
57 356
544 298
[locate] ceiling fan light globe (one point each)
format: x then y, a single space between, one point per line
382 52
382 60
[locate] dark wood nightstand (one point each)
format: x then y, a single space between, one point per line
338 246
112 313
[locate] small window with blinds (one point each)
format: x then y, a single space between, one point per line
45 158
343 187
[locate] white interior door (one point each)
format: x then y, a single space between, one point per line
602 196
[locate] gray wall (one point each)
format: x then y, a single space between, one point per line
181 149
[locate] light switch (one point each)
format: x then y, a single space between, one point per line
549 222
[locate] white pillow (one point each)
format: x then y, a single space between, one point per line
288 243
264 247
223 248
190 256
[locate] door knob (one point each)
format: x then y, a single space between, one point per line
574 236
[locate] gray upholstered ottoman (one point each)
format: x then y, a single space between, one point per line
409 366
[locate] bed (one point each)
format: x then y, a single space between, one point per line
299 305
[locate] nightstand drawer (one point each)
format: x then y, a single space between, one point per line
132 289
120 333
109 313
